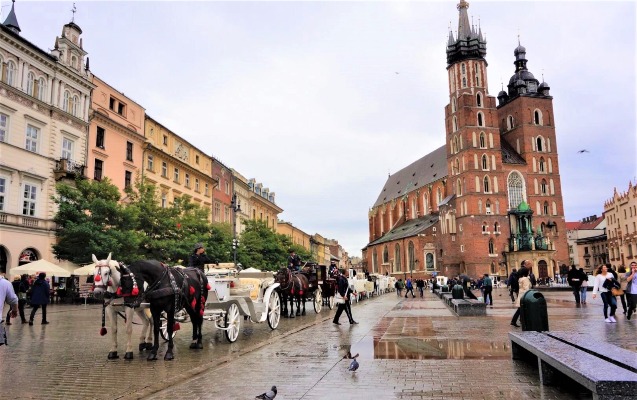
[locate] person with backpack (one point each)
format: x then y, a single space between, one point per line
409 288
487 285
512 284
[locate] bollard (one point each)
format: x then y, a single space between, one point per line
457 292
533 312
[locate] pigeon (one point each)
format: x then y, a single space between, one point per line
269 395
353 366
583 151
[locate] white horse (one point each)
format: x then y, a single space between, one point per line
107 278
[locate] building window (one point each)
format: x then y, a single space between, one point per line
66 101
539 144
397 264
206 189
496 227
129 151
488 207
117 106
227 187
164 200
99 139
10 75
479 98
543 186
516 189
541 164
164 169
150 164
197 185
40 89
197 159
537 117
485 227
30 83
480 119
176 175
32 138
545 208
486 185
75 106
510 124
485 164
29 200
4 127
128 176
187 178
3 192
165 140
227 214
483 141
217 214
385 255
67 149
491 247
99 166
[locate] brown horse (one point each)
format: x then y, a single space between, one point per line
293 285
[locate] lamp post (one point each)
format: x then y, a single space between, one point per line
236 207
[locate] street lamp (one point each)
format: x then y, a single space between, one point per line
236 207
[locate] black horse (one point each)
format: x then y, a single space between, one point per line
170 289
293 285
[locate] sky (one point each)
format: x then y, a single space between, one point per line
321 100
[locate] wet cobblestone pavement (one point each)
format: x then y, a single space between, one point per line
409 349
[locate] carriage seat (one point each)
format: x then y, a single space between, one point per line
247 287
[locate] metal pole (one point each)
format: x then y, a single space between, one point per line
234 227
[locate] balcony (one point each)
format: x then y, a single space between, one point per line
68 169
26 222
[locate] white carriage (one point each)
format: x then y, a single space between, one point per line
251 295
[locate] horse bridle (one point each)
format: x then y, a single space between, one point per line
98 277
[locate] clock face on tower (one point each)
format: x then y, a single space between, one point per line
181 152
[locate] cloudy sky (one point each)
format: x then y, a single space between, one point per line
319 101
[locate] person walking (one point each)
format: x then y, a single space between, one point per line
20 287
574 280
621 276
487 285
631 289
420 284
345 291
584 287
512 284
409 287
40 297
466 286
199 258
524 284
603 281
399 287
7 295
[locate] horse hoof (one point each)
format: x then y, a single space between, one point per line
168 356
113 355
128 355
152 357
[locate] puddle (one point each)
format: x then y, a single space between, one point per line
414 348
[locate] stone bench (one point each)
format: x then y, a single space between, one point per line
608 371
469 308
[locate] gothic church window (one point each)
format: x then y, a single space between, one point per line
480 119
486 185
537 117
385 255
397 266
453 104
541 164
545 208
491 247
485 164
539 144
464 82
543 186
485 227
516 189
455 124
458 188
510 122
488 207
479 99
483 144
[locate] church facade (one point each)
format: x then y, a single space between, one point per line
491 196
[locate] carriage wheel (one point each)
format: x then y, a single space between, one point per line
318 300
332 302
274 310
163 328
233 323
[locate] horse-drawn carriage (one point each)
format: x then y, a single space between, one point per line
300 286
251 295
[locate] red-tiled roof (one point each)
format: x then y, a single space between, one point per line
577 226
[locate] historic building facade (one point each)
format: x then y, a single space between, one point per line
587 243
491 196
296 235
222 192
116 137
620 213
242 190
176 167
263 205
44 108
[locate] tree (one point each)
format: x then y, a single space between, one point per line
261 247
91 220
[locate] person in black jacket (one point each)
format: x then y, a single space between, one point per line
512 283
40 294
294 261
198 258
345 291
574 279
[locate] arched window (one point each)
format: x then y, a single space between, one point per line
10 73
385 255
539 144
374 262
41 89
439 199
455 145
453 104
537 117
463 68
479 99
454 124
485 227
496 227
411 253
491 247
464 82
30 83
485 163
510 124
488 207
397 264
486 185
480 119
74 62
515 185
75 106
543 186
65 103
483 141
425 202
458 188
545 208
457 166
541 164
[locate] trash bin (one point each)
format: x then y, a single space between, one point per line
533 313
444 288
457 292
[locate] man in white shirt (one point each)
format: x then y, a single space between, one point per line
6 295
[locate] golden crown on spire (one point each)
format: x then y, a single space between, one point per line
463 4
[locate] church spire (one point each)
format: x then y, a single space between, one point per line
464 29
469 42
12 21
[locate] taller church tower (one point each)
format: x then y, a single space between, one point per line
473 221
